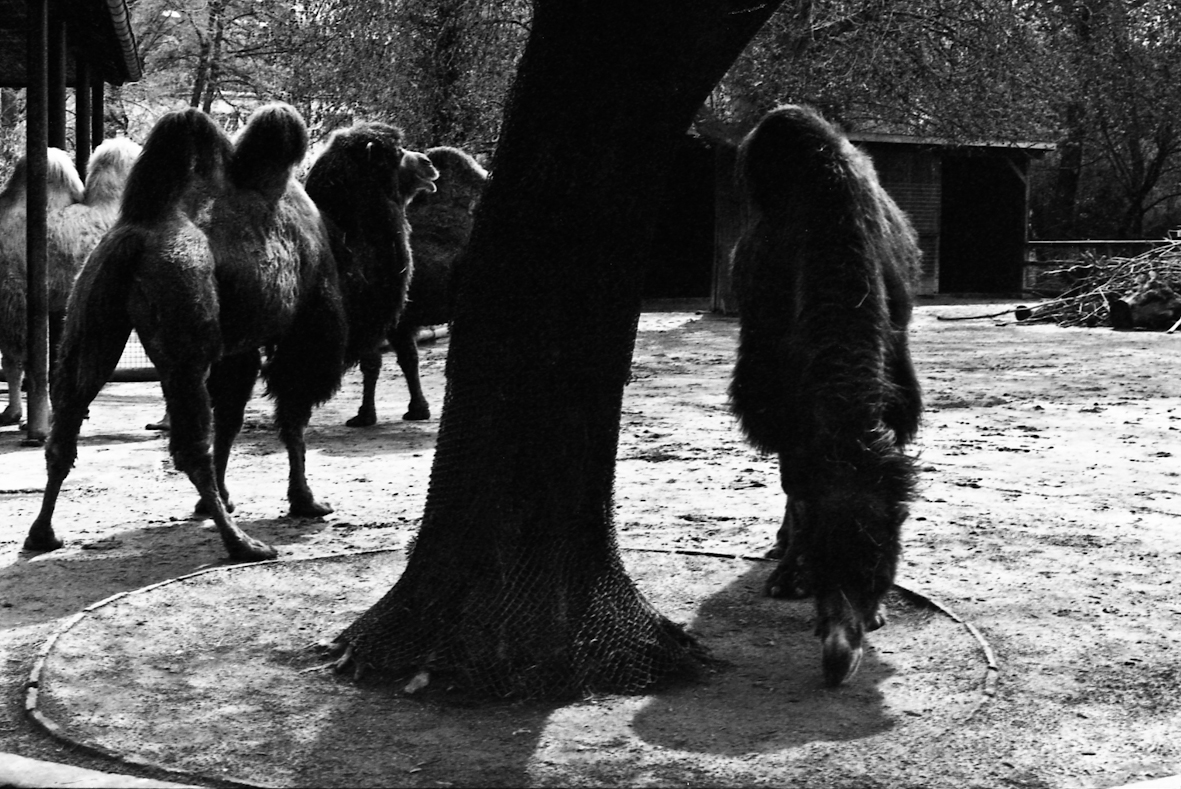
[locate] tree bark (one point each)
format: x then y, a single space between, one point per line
205 74
514 586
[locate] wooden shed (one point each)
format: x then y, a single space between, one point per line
47 47
968 203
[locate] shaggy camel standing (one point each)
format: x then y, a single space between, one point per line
824 379
440 223
65 189
365 212
218 252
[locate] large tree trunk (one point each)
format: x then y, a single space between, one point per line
514 586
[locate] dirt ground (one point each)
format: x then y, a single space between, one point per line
1047 518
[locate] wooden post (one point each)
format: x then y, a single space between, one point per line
97 108
37 140
83 143
57 80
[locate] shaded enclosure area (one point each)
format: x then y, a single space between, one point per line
982 243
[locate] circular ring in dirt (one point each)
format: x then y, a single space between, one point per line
214 676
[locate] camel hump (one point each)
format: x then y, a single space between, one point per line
274 141
64 185
795 152
107 171
185 148
455 161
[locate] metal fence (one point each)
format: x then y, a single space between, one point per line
134 365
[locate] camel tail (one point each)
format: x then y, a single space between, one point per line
97 320
185 149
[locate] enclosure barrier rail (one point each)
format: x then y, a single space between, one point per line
1049 264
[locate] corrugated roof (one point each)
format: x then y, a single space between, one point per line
98 31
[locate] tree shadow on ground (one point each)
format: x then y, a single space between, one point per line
767 694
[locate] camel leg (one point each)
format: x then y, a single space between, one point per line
75 385
406 348
790 578
13 371
189 442
230 386
852 544
163 425
302 372
370 369
61 450
292 419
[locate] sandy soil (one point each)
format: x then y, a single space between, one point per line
1047 518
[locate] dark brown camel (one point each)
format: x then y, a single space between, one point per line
822 273
440 222
218 252
362 182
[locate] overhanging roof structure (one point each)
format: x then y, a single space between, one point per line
97 31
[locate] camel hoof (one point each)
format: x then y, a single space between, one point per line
309 509
7 419
251 550
362 419
42 544
784 584
841 658
417 414
202 510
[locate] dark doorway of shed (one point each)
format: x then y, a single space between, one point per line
681 263
983 227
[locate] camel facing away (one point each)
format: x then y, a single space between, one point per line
218 252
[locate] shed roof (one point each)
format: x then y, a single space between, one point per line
715 129
942 142
97 30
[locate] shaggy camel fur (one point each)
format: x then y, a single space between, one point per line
440 222
362 182
65 189
218 252
822 272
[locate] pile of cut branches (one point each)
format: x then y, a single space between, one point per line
1085 303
